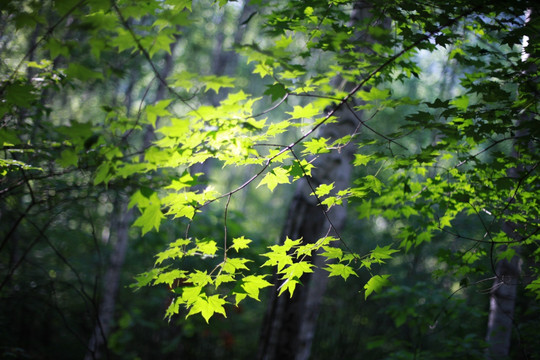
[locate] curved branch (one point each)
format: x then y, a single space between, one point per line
341 103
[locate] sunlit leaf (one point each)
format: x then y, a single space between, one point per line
376 283
340 270
240 243
208 307
151 216
275 177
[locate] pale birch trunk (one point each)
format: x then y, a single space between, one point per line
503 295
501 308
223 61
111 281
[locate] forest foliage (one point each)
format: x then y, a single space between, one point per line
453 170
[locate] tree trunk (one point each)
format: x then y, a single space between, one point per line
105 317
501 308
111 283
503 295
289 325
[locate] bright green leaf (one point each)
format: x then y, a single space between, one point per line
376 283
240 243
340 270
275 177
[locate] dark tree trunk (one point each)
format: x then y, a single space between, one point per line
289 324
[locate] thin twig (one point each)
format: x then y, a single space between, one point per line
225 228
319 203
371 129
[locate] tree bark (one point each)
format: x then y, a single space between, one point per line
111 283
501 308
105 316
224 60
503 295
289 325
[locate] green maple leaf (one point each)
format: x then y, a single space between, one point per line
299 169
217 82
305 250
252 285
278 128
183 4
159 109
371 182
179 128
374 94
316 146
151 216
324 189
290 285
173 308
200 278
169 277
206 247
172 253
145 278
332 252
376 283
190 294
284 41
161 42
233 264
186 180
274 177
180 242
534 287
240 243
104 173
276 91
277 257
382 253
263 70
183 79
307 111
180 204
208 307
223 278
296 270
289 244
360 159
340 270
